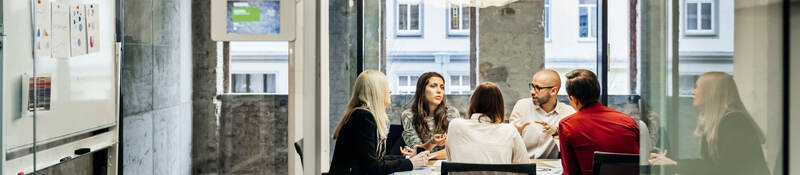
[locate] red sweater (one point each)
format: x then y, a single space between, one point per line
595 128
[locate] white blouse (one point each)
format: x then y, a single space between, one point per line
478 141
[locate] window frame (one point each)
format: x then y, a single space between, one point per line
461 32
464 79
591 13
699 31
408 32
412 86
547 12
263 73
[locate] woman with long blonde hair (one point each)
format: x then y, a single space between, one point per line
361 135
729 137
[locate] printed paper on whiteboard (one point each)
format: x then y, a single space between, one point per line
92 27
42 32
77 28
60 30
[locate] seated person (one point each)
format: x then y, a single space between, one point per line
593 128
361 135
543 109
484 138
425 121
730 140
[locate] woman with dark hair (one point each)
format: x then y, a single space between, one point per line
425 120
484 138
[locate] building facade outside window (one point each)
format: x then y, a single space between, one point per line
700 17
409 14
458 18
253 82
587 19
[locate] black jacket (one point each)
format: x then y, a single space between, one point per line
359 151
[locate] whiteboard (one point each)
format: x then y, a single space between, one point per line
84 87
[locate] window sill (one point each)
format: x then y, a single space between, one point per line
587 40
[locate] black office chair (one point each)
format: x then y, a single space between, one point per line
394 140
298 146
615 163
448 167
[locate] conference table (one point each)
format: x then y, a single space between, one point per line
543 167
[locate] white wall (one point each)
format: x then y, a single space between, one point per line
758 62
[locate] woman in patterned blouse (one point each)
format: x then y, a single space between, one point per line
425 120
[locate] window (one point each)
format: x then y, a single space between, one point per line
458 18
253 82
700 17
587 19
408 19
258 67
407 84
458 84
546 19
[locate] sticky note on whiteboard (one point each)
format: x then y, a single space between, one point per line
77 30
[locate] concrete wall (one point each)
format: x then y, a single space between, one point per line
513 42
156 87
206 85
342 60
254 129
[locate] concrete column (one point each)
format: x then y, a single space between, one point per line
206 154
511 47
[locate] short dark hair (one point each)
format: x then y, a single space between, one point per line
487 100
583 85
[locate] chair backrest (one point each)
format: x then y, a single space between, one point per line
298 146
395 133
449 167
615 163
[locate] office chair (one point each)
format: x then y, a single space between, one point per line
448 167
615 163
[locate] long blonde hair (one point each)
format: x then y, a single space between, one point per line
719 96
369 94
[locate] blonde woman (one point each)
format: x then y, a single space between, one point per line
361 135
731 141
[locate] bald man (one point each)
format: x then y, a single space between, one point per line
537 118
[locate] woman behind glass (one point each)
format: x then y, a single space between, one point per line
731 141
484 138
361 135
425 121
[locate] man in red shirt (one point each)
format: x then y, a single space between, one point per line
593 128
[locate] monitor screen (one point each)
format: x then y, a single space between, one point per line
254 17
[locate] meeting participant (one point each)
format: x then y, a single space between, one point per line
593 128
545 111
361 135
731 141
426 119
484 138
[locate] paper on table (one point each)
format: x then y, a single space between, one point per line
438 162
553 163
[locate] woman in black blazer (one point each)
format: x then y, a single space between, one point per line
361 135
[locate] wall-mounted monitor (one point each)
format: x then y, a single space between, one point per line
253 20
